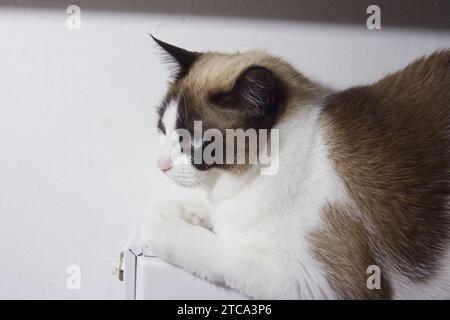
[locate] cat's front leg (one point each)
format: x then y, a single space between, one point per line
194 211
250 269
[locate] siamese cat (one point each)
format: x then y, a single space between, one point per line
358 206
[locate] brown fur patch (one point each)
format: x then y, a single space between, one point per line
344 248
390 143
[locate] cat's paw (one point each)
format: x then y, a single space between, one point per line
196 213
156 233
167 236
168 210
192 212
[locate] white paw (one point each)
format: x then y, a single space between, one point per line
191 212
169 209
195 214
174 240
163 235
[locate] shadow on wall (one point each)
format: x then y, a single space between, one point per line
417 14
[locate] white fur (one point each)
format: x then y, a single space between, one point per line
182 172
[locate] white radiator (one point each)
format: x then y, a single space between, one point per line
147 277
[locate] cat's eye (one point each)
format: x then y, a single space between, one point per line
220 98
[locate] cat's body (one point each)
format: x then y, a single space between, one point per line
363 181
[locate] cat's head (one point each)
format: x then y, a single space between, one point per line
215 93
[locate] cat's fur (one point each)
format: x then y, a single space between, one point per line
363 180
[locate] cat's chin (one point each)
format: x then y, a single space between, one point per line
188 184
185 175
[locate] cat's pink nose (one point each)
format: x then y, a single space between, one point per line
164 164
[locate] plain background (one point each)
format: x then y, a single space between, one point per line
77 111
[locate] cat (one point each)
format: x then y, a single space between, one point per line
359 206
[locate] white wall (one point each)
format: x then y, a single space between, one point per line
77 125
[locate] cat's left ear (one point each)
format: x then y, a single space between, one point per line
184 58
256 87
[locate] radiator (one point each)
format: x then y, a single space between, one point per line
146 277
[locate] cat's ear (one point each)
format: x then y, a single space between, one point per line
256 87
182 57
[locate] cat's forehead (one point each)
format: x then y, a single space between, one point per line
210 76
218 72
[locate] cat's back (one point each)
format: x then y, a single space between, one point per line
390 143
419 92
425 83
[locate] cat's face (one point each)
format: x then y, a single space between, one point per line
215 93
